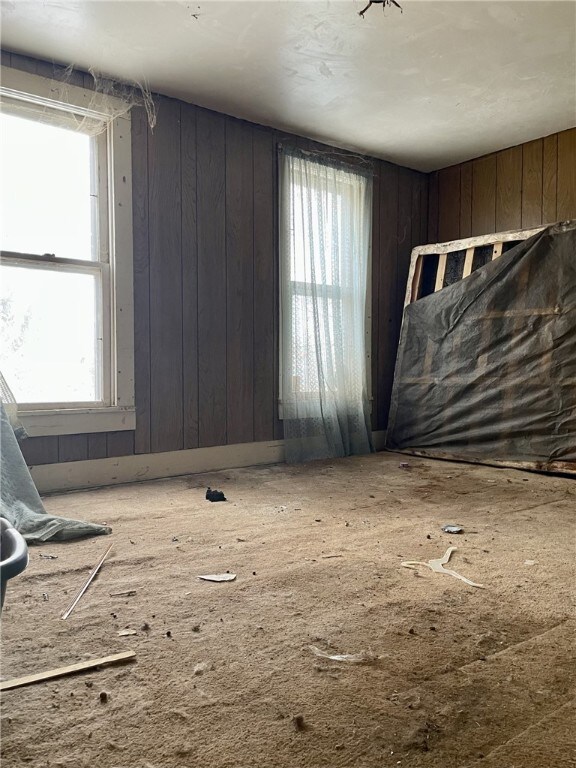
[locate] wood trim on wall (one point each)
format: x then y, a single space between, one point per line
72 475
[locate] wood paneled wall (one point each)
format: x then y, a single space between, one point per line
206 281
524 186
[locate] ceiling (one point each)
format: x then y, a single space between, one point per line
437 84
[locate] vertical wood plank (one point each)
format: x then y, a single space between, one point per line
278 425
423 238
416 213
72 448
188 172
484 195
433 207
165 242
404 229
141 263
40 450
23 63
89 81
509 189
549 179
97 445
387 288
566 199
375 295
239 282
264 386
532 183
211 155
119 444
449 202
466 199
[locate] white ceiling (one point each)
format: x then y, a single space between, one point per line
437 84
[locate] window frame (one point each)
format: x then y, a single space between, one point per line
116 410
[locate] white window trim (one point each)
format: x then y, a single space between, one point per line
120 414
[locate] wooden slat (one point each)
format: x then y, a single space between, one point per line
265 399
468 262
141 263
72 448
71 669
387 288
120 444
496 250
532 183
484 195
566 201
211 155
466 199
442 259
509 189
97 445
239 282
549 179
188 173
449 201
416 279
40 450
165 244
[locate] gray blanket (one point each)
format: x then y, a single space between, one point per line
20 502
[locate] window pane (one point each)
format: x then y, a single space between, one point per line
49 350
45 190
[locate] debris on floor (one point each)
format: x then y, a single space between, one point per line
48 557
127 593
437 566
450 528
218 577
364 657
127 632
214 495
203 666
299 723
87 583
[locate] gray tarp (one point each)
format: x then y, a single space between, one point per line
20 502
486 368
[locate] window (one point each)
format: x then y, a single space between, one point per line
66 308
325 235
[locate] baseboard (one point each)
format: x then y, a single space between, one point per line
75 475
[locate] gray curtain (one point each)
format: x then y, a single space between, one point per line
325 233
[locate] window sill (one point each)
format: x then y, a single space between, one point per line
76 421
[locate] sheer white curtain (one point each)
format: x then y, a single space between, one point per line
325 224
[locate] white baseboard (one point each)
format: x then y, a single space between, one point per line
73 475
